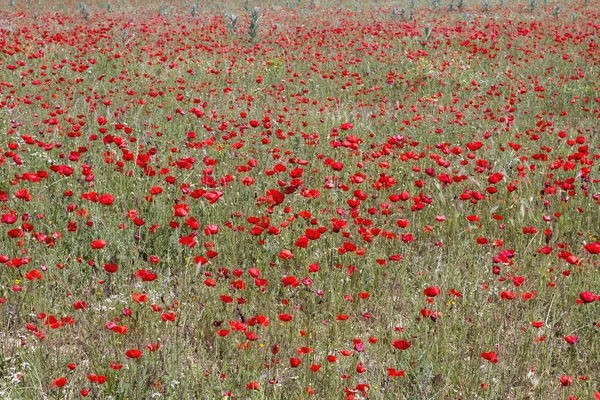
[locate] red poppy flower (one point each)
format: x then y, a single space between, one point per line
33 274
59 382
571 339
401 344
226 299
139 297
110 268
168 317
254 272
237 326
490 356
566 380
98 244
593 248
97 378
518 280
8 219
432 291
506 295
285 317
393 373
286 255
359 345
360 368
181 210
290 281
587 297
153 346
133 353
495 178
106 199
302 242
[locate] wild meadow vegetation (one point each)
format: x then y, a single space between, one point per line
300 200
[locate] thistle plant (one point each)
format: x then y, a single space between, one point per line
460 5
254 24
451 6
85 11
163 9
231 22
557 11
532 5
426 35
486 6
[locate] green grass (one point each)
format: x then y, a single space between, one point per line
156 73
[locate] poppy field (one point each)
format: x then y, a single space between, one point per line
300 200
